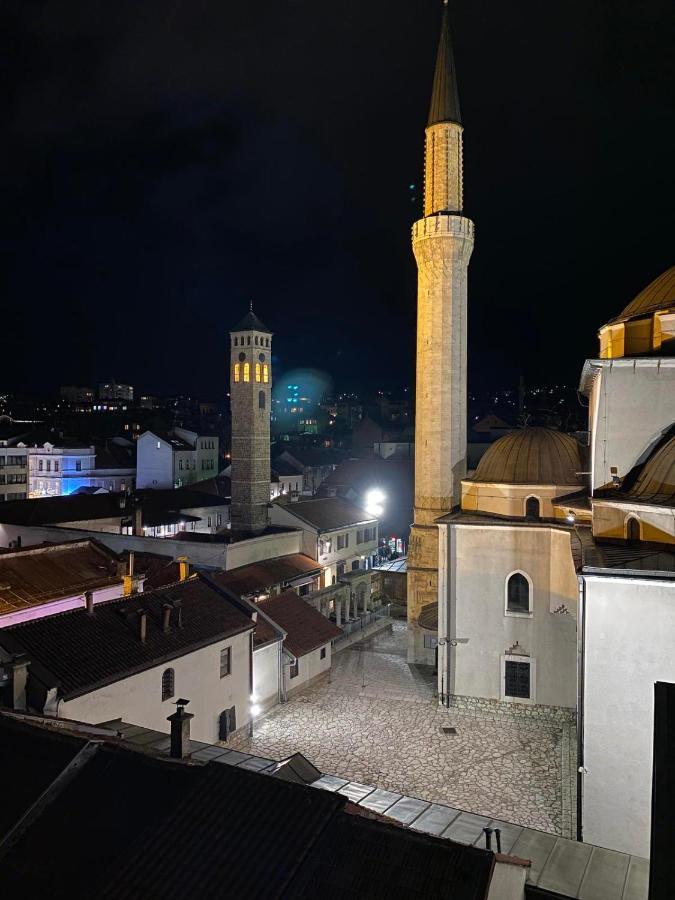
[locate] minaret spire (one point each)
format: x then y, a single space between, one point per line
444 95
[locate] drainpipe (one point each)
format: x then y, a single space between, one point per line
581 686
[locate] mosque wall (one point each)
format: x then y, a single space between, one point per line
477 562
656 523
629 636
509 499
632 402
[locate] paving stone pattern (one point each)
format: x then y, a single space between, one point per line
377 722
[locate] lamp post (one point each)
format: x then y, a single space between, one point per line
445 669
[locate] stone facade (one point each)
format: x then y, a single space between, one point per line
251 394
442 244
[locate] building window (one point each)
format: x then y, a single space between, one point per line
294 668
180 464
518 594
237 372
532 508
340 569
56 465
355 565
632 529
225 661
266 373
517 679
40 465
258 372
342 541
247 372
236 342
261 400
78 465
323 653
49 465
168 684
248 339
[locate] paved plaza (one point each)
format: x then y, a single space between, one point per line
377 721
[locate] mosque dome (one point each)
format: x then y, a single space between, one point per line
532 456
647 324
655 480
658 295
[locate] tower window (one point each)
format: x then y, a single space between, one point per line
256 338
266 373
257 372
237 371
248 339
236 341
247 372
518 594
261 400
267 342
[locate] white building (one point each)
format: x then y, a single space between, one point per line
174 459
341 536
111 390
132 658
13 473
58 471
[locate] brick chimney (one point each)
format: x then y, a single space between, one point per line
89 602
129 577
180 730
184 567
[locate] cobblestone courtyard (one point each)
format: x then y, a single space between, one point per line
378 722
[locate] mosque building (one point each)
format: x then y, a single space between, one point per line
542 585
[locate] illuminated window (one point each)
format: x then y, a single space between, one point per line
237 371
257 372
247 372
266 373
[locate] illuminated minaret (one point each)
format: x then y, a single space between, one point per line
442 244
250 398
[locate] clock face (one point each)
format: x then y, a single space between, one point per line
242 357
262 357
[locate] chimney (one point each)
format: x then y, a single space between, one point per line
184 567
180 730
142 624
19 667
89 602
166 617
138 519
129 577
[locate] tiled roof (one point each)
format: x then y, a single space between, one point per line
159 571
647 558
260 576
306 628
83 652
329 514
36 575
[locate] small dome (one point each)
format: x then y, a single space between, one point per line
655 480
532 456
659 294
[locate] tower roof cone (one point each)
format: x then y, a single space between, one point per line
444 96
251 322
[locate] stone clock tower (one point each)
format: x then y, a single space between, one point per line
442 244
250 399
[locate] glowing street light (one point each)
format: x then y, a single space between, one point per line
375 502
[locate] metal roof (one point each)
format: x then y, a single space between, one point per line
445 96
658 295
251 322
532 455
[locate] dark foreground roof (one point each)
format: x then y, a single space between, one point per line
620 558
83 652
329 514
143 827
305 627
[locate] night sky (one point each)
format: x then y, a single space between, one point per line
165 161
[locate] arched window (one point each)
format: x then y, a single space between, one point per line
261 400
632 529
237 372
518 593
257 372
266 373
248 339
247 372
532 508
168 684
256 338
236 341
267 342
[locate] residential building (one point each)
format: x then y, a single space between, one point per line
57 470
287 478
111 390
51 578
131 658
13 473
308 639
73 394
176 458
315 463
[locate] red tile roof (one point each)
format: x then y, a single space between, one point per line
307 629
263 575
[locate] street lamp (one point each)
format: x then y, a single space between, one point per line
445 669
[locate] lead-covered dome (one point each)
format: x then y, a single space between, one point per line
655 481
658 295
532 456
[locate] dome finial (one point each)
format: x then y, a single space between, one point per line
250 305
444 96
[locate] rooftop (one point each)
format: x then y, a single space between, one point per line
651 560
329 514
36 575
83 652
658 295
653 481
261 576
305 627
251 322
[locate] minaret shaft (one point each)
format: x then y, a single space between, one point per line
442 244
